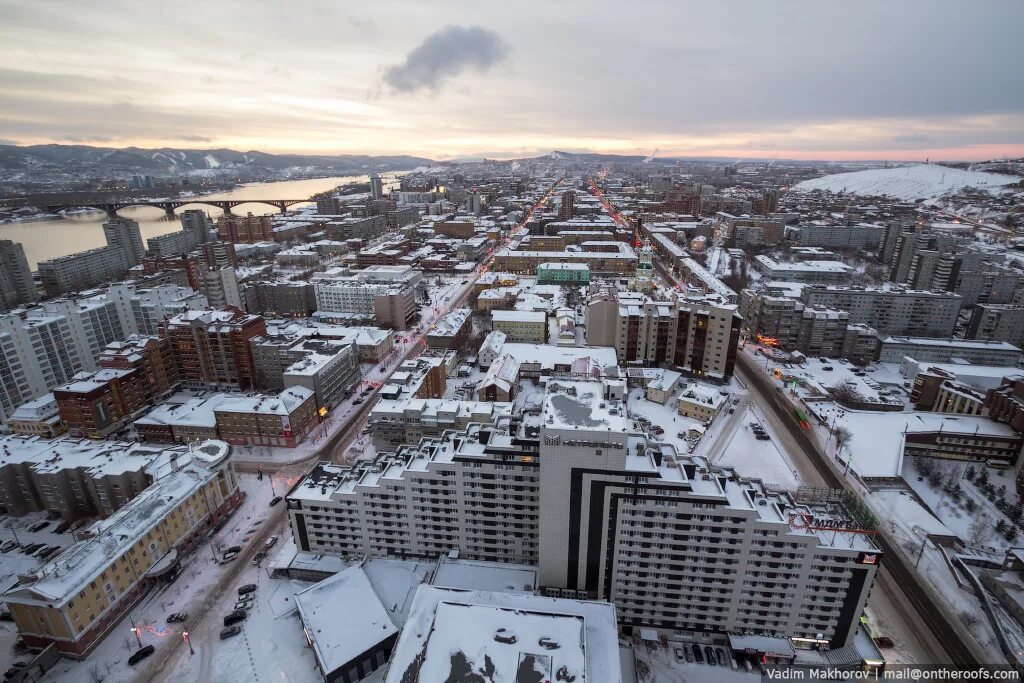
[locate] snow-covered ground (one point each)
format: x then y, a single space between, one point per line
751 457
921 181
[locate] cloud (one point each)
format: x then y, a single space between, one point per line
445 54
911 139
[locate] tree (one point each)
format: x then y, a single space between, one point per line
1000 526
842 435
969 473
979 531
982 477
1011 533
845 393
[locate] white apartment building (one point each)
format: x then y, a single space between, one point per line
220 285
677 544
124 234
16 284
82 270
891 310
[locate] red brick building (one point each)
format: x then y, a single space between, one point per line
97 404
152 355
211 348
245 229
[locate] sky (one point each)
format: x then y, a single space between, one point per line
896 80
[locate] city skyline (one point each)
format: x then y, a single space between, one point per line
789 80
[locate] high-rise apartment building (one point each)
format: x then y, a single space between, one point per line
16 284
376 187
674 542
245 229
82 270
565 205
197 224
220 286
124 234
695 335
891 311
211 348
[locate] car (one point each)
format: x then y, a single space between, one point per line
230 631
235 617
678 652
697 654
503 635
720 656
275 500
141 654
884 642
248 588
234 549
258 557
658 430
688 653
548 643
177 618
16 668
681 435
709 654
245 604
228 557
356 402
383 368
270 542
732 410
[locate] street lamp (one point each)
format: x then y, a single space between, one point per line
184 636
135 630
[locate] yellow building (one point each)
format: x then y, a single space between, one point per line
75 599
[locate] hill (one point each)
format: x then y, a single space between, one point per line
921 181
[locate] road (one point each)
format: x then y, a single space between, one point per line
902 613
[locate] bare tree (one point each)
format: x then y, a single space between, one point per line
842 435
844 393
979 531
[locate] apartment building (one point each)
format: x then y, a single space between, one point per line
620 262
288 298
211 347
365 228
220 287
328 368
890 311
695 335
675 543
245 229
393 423
76 599
563 274
82 270
124 234
803 271
281 420
141 310
529 327
96 404
451 331
997 322
150 354
16 284
791 326
863 236
386 294
974 352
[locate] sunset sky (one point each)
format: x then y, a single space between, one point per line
866 80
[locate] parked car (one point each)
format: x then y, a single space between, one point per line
658 430
884 642
230 631
503 635
697 654
357 401
709 654
234 549
258 557
235 617
732 410
548 643
228 557
275 500
141 654
177 618
383 368
245 604
720 656
681 435
270 542
248 588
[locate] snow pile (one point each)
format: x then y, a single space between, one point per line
921 181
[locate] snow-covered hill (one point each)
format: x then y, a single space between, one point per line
921 181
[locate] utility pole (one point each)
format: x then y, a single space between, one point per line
135 630
184 636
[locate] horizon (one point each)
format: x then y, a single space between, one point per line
787 81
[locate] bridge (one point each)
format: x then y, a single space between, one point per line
112 206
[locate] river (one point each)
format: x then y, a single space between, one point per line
48 238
